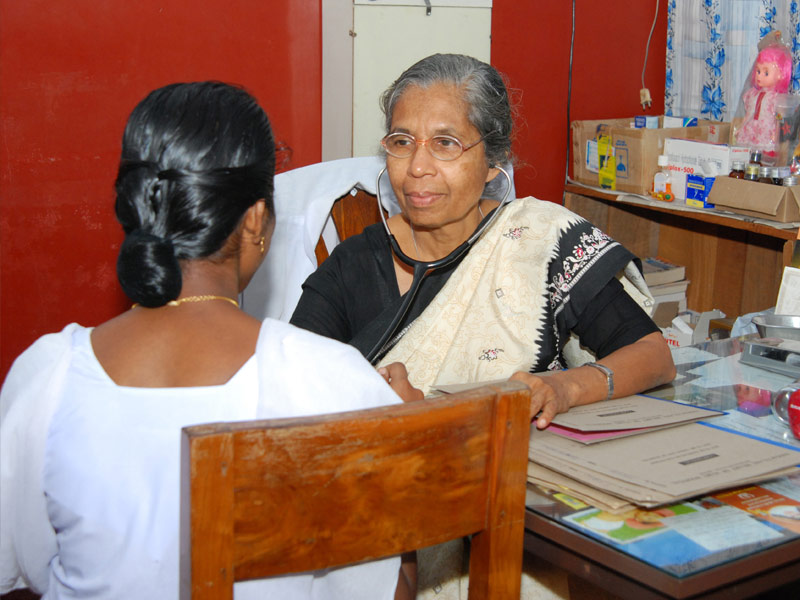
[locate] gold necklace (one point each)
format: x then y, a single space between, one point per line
202 298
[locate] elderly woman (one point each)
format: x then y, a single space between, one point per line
536 278
91 417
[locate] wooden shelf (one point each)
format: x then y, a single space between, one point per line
733 263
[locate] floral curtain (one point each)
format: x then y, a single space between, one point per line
711 46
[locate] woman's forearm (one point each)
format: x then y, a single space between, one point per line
637 367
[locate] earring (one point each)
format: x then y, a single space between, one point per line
262 244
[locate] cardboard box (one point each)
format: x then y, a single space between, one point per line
762 200
636 150
679 332
690 328
697 157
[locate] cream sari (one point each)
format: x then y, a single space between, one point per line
493 314
490 319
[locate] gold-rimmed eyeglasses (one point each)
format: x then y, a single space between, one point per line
441 147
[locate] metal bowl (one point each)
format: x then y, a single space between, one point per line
786 327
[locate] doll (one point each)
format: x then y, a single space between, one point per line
771 76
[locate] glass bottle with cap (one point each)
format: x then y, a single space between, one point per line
764 175
751 172
737 170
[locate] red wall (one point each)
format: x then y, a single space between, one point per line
530 44
71 71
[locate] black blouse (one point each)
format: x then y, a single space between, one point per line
353 295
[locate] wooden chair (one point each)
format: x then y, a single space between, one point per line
351 214
357 486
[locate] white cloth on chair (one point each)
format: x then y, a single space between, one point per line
303 201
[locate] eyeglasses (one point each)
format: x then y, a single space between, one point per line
441 147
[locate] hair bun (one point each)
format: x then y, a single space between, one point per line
148 269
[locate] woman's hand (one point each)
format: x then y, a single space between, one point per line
637 367
396 376
547 400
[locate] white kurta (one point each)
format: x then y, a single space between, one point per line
89 470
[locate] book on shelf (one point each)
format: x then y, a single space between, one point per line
658 271
674 297
672 287
669 300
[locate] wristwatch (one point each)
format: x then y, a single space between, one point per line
609 377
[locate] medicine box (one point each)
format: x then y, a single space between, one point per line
707 159
698 188
645 121
635 150
679 121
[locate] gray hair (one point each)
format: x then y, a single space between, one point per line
484 92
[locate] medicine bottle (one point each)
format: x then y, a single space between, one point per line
755 157
751 172
737 170
662 184
789 180
775 173
764 175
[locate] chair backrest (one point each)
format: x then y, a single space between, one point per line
350 215
357 486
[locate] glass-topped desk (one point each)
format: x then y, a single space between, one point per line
751 544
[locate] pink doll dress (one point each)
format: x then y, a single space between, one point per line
760 127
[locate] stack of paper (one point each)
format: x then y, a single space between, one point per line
653 457
623 417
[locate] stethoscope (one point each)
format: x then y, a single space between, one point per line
420 268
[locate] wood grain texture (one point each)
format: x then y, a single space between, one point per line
351 214
733 265
293 495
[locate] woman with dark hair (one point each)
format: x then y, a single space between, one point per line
91 417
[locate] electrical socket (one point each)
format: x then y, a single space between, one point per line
644 98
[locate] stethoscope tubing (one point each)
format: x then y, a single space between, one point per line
421 268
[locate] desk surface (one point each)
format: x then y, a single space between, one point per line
745 552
